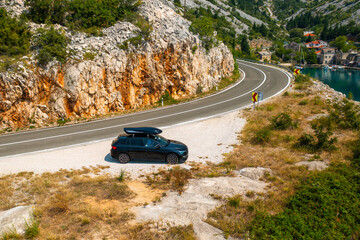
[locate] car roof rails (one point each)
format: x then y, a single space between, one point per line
143 130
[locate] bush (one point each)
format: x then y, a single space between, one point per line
167 98
14 35
32 229
321 141
303 102
345 115
326 206
47 11
234 201
52 46
262 136
283 121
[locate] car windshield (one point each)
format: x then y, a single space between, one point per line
163 141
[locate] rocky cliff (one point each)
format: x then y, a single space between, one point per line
102 77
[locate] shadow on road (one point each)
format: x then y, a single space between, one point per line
110 159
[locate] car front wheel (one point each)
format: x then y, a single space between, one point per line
123 158
172 158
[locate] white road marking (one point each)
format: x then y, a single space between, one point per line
134 114
164 127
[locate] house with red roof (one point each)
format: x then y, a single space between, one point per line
317 45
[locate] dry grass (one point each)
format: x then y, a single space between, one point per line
277 153
79 204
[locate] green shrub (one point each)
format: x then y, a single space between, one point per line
32 229
121 176
194 48
345 115
303 102
321 140
262 136
14 35
47 11
167 98
234 201
301 78
136 41
52 44
286 94
89 55
283 121
62 121
325 206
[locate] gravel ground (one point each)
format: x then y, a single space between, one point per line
207 141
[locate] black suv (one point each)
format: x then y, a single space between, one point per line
145 144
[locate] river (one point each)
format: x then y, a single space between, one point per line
344 81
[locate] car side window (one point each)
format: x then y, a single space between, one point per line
150 142
136 141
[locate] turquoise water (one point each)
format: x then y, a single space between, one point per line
344 81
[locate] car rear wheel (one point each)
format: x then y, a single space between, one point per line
123 158
172 158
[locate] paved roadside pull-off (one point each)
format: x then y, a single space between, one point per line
192 206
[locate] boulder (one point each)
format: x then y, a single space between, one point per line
14 219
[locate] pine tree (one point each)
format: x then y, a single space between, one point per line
245 48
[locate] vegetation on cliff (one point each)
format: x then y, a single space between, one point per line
52 45
14 35
81 14
299 203
205 22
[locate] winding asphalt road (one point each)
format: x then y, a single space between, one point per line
256 77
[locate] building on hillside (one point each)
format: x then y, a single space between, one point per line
293 46
260 44
353 59
317 45
327 56
264 55
309 33
341 58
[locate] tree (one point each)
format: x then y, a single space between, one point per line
204 26
245 48
14 35
341 43
296 33
311 57
53 11
263 30
177 3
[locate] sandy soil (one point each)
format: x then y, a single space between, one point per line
207 141
192 206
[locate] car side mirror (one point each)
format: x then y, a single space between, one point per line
157 146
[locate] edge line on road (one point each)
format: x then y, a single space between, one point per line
131 114
164 127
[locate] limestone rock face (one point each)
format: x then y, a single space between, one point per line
102 77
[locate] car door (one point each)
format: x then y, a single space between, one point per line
154 153
136 148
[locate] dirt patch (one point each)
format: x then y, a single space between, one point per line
192 206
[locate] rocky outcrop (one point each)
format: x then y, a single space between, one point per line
103 77
14 220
